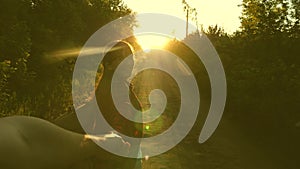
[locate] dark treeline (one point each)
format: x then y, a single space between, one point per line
262 68
39 40
262 64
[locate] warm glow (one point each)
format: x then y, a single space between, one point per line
225 13
148 42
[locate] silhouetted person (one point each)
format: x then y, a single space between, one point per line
105 102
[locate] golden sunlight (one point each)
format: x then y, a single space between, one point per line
151 41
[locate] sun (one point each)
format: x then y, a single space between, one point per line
152 41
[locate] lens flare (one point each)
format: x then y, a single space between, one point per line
152 41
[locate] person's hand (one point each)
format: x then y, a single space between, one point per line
112 140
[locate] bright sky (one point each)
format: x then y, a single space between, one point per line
225 13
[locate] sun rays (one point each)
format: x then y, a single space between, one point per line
151 41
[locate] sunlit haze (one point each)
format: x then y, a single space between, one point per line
146 41
224 13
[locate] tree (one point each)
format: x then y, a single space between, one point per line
15 47
296 17
264 65
31 31
189 11
268 17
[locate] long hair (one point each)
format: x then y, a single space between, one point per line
103 94
102 91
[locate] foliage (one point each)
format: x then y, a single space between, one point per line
261 65
33 81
